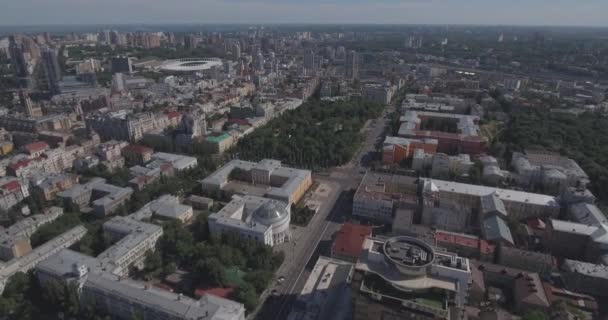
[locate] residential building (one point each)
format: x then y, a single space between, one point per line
15 240
462 136
30 260
137 154
352 65
48 186
538 262
377 93
585 277
440 164
396 149
125 126
121 64
12 191
102 198
521 205
526 287
166 207
218 144
552 171
379 195
52 70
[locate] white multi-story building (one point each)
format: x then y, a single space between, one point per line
254 218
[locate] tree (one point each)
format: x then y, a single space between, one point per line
153 264
211 272
535 315
259 279
245 294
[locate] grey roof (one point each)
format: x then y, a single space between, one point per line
572 227
294 177
585 268
503 194
588 214
242 213
177 306
491 204
494 228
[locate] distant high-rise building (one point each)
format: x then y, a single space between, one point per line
259 61
30 47
191 41
107 39
171 38
52 70
413 42
310 61
341 52
118 83
237 51
121 64
352 65
501 37
47 38
28 106
19 64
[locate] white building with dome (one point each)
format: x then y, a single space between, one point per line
261 219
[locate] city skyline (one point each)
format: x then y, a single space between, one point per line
474 12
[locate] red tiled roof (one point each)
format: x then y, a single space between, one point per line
536 224
11 186
238 121
135 148
19 164
36 146
485 247
349 240
173 114
218 292
457 239
462 240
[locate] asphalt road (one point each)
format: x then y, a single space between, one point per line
317 237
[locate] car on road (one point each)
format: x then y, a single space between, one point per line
280 279
274 292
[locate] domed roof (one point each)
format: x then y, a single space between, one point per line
271 211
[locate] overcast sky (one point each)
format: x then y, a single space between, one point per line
516 12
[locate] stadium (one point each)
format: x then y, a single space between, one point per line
190 65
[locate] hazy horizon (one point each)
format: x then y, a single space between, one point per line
590 13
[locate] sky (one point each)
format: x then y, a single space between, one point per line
486 12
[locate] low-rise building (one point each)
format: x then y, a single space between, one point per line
137 154
326 293
267 178
349 241
47 187
103 198
379 195
166 207
519 204
30 260
263 220
219 143
553 172
15 240
585 277
396 149
441 165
